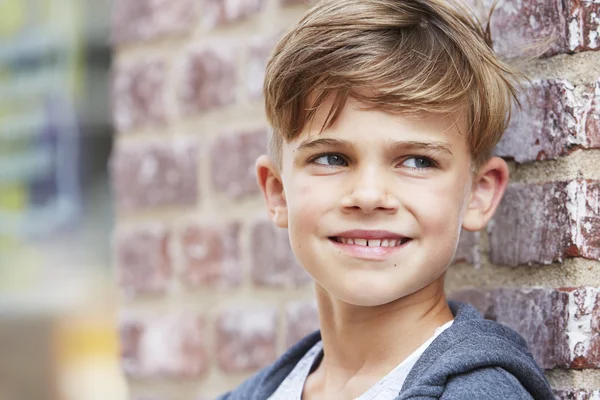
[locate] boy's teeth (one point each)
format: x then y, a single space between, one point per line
373 242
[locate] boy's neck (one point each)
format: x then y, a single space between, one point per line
362 344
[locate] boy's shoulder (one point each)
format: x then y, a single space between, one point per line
491 383
477 356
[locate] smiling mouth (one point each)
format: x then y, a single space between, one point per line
392 242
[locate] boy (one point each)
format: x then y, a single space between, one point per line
385 114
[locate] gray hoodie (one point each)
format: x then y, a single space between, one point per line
473 359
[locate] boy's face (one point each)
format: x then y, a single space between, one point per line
375 204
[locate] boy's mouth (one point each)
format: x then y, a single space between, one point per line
369 238
389 242
369 245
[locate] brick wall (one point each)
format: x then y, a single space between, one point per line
211 291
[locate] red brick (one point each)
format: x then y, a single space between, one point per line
138 95
246 339
302 318
468 249
591 136
166 346
584 212
523 28
539 315
561 327
556 118
577 394
583 25
135 20
211 255
273 262
208 78
517 26
259 50
233 158
544 223
130 333
219 12
531 225
155 174
142 259
583 328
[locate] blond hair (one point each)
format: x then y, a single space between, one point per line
399 56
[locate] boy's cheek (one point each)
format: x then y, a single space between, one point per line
308 192
304 203
437 201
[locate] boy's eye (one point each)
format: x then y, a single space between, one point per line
333 160
418 162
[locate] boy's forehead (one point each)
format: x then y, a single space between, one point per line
359 120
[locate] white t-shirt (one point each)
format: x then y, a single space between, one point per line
386 389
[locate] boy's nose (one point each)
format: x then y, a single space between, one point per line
369 194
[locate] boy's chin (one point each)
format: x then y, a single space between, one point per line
366 298
375 293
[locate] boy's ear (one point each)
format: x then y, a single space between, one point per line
486 192
271 185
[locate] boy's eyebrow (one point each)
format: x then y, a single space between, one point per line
310 143
433 145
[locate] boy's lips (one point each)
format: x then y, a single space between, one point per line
373 245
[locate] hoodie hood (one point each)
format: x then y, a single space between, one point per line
473 343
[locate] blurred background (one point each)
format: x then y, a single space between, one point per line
55 136
56 213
